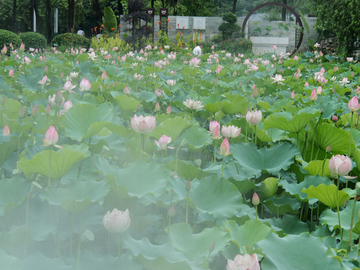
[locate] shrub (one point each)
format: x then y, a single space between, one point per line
229 27
33 40
64 41
7 37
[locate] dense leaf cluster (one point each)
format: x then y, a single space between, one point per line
33 40
68 40
7 37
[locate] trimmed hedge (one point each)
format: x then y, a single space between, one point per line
33 40
64 41
7 37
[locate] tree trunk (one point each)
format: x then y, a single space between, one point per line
152 3
36 7
71 15
48 21
283 13
14 18
175 7
234 6
120 7
97 9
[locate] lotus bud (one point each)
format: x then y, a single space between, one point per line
59 99
6 131
21 113
157 107
212 247
334 118
3 100
168 110
34 111
48 110
171 212
188 185
255 199
328 149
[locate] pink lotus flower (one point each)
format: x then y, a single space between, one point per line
157 107
354 104
230 131
255 199
85 85
67 106
68 86
313 95
48 110
163 142
57 99
216 133
194 62
171 82
34 111
225 148
6 130
117 221
22 47
159 92
141 124
340 165
213 125
104 75
349 59
254 117
292 94
193 104
245 262
11 73
51 137
44 81
126 90
4 49
138 77
278 79
306 84
319 90
168 110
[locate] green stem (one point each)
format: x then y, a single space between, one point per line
311 217
79 246
119 249
255 135
338 207
222 167
256 212
26 223
71 234
246 135
187 208
215 151
352 219
352 116
49 179
169 223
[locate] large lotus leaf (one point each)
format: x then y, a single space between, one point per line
238 104
267 188
231 170
8 261
11 108
171 127
283 205
318 167
140 179
12 192
32 262
271 159
330 217
288 224
295 252
8 144
86 120
30 81
339 139
212 103
196 137
356 155
248 234
85 67
127 103
217 197
188 171
327 194
61 161
196 246
295 189
155 257
78 195
284 121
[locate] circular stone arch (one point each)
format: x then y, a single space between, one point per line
298 19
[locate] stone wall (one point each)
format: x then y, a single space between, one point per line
212 24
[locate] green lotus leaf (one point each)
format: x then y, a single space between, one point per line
12 193
171 127
85 67
283 205
248 234
155 257
188 171
339 139
330 217
327 194
288 249
78 195
217 197
8 144
196 246
318 167
127 103
85 120
273 159
238 104
30 81
8 261
295 189
196 137
288 224
285 122
11 108
267 188
61 161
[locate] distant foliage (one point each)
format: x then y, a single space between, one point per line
229 26
64 41
33 40
7 37
338 18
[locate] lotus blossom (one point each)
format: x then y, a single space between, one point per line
22 47
11 73
141 124
278 79
193 104
246 262
127 90
85 85
194 62
51 137
117 221
344 81
68 86
354 104
171 82
57 99
157 107
340 165
216 133
313 95
138 77
168 110
213 125
6 130
4 49
159 92
230 131
163 142
225 148
349 59
255 199
254 117
67 106
292 96
104 75
44 81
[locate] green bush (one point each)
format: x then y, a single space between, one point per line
242 45
64 41
229 17
7 37
33 40
229 27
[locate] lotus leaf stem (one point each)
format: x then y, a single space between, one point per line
338 206
352 219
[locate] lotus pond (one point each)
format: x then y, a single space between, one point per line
259 158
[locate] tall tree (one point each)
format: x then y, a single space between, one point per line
48 21
71 15
14 17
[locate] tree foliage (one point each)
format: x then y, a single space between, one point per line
340 19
